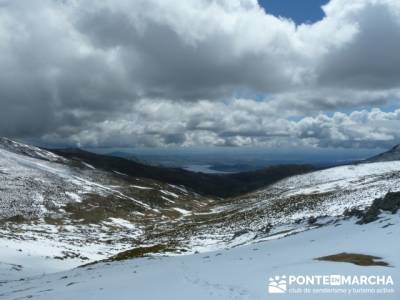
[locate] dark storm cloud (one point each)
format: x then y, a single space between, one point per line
50 77
166 72
370 60
181 59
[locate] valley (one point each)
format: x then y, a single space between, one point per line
62 212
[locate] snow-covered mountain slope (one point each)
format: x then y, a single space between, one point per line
57 213
61 212
28 150
391 155
292 205
239 273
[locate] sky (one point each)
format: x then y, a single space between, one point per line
308 11
201 73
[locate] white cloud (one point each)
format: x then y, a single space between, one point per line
240 122
82 70
373 128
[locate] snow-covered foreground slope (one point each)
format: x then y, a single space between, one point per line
237 273
57 213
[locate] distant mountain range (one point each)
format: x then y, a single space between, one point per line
206 184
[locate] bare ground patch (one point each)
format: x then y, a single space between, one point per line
355 258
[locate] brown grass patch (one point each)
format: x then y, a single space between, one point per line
355 258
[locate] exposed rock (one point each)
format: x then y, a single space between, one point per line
240 232
391 203
265 229
312 220
16 219
353 212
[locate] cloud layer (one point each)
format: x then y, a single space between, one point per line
208 72
244 122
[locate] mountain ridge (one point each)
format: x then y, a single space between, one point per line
215 185
390 155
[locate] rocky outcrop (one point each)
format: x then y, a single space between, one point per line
389 203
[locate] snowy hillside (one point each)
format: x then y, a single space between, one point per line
239 273
294 204
58 213
28 150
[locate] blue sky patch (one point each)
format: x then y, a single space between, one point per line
308 11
